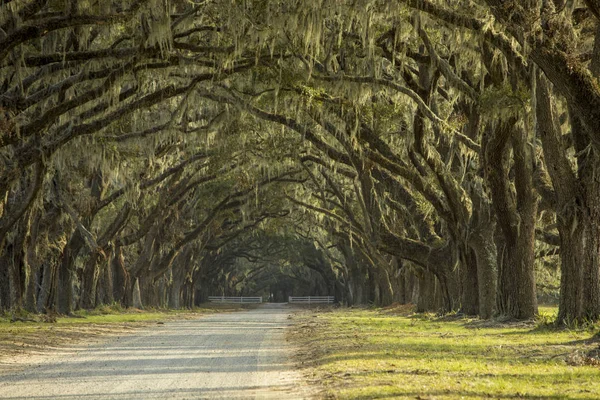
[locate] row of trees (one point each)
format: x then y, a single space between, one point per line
416 150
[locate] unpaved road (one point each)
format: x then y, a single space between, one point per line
239 355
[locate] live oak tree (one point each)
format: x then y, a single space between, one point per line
418 146
561 40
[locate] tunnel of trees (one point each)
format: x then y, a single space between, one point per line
440 152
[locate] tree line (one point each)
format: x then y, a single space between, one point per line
413 150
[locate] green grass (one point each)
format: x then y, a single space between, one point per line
368 354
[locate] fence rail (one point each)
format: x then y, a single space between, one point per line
312 299
224 299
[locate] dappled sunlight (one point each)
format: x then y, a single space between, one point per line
434 164
359 354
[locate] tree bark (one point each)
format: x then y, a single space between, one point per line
469 293
89 282
426 300
175 294
33 264
45 299
136 296
386 293
66 273
577 207
104 289
516 213
482 243
588 215
121 279
15 283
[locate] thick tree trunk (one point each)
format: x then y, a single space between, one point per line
426 300
357 277
516 282
386 293
394 276
33 275
104 289
187 294
482 243
4 285
89 282
590 177
120 277
356 284
578 209
45 299
400 294
65 291
572 256
136 296
14 260
373 289
199 285
591 272
33 266
149 292
175 294
162 293
412 288
15 284
66 273
525 245
469 293
516 214
449 289
178 273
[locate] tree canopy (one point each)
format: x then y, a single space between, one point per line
428 151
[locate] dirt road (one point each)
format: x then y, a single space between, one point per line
240 355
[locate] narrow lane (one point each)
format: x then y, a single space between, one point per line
240 355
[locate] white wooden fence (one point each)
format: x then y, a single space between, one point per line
312 300
223 299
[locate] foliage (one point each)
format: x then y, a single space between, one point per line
187 147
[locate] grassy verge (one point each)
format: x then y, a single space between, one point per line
26 334
393 353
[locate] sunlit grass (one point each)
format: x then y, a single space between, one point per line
365 354
547 313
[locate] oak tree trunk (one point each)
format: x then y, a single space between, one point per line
469 296
516 215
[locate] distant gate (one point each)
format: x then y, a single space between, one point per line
223 299
312 299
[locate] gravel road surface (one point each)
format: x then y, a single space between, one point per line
239 355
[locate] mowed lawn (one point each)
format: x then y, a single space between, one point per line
370 354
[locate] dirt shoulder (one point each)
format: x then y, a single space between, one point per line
24 337
220 356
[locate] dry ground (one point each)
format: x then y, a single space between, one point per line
39 334
240 355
